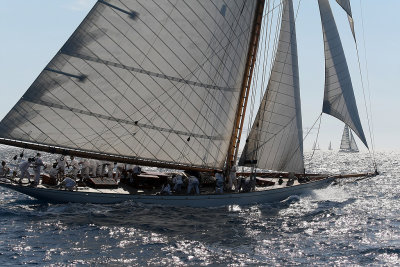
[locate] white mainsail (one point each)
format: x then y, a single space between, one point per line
339 100
275 141
152 80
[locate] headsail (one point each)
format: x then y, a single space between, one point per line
345 4
150 80
339 100
276 140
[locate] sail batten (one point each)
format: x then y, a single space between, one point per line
275 139
339 100
155 80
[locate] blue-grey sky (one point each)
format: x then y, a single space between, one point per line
33 31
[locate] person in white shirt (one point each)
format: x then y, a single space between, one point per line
85 168
68 184
93 167
99 168
166 190
24 170
110 169
193 183
177 180
61 164
75 167
219 183
4 170
232 177
37 167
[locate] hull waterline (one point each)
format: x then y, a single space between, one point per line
211 200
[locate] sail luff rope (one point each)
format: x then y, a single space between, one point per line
365 103
316 139
370 126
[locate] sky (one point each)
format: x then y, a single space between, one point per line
33 31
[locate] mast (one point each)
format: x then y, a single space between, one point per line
245 88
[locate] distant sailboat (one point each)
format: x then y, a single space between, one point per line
348 143
330 146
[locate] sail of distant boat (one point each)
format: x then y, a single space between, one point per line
330 146
348 143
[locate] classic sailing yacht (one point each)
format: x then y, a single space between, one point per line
166 85
348 144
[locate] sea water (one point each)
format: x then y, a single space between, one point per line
355 223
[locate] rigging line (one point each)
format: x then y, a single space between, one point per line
368 83
365 104
319 126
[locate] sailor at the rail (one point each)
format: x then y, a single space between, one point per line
110 169
23 168
193 184
177 180
75 167
232 177
37 167
85 168
4 170
61 165
219 183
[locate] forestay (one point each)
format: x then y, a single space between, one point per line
150 80
339 100
275 140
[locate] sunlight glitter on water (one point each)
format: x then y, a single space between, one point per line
353 223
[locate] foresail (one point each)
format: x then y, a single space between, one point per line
339 100
345 4
275 141
152 80
345 143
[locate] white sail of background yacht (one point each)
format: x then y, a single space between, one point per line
275 141
348 144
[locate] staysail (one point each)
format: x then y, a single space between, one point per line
345 4
275 141
154 81
339 100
